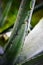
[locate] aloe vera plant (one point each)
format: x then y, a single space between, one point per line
29 21
24 7
12 44
33 44
15 47
16 40
5 13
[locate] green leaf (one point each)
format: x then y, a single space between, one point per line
12 14
14 49
24 7
5 13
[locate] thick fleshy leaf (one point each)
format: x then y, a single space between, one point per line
33 44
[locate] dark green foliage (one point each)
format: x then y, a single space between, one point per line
12 13
5 13
15 42
12 52
35 61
